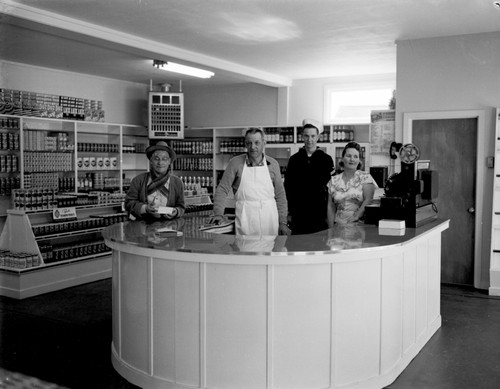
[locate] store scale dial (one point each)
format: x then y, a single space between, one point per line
166 115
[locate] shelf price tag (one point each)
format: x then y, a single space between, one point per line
62 214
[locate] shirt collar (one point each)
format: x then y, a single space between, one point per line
263 162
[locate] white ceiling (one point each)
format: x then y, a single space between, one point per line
271 42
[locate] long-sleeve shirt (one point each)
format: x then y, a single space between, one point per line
231 182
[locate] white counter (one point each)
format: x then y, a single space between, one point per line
343 308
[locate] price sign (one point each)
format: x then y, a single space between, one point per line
62 214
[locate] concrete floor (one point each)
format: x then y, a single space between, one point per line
64 338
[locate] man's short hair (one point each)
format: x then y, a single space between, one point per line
255 130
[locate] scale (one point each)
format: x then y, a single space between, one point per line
409 194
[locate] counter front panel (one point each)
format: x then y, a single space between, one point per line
343 308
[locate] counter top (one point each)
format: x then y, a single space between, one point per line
334 240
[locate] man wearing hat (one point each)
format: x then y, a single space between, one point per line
306 178
157 193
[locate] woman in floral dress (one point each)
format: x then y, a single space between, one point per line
351 190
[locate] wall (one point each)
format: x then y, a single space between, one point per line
232 105
454 73
123 102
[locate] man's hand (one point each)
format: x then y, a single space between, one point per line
284 230
151 209
216 219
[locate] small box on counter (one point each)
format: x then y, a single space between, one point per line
392 231
391 223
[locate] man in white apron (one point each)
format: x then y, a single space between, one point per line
255 180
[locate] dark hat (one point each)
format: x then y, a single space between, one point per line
161 145
312 123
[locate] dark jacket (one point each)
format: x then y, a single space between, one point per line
306 180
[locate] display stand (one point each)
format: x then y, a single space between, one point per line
77 254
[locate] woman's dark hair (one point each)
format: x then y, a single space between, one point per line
351 145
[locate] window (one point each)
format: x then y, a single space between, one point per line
350 99
354 106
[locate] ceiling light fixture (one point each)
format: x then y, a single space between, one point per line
183 69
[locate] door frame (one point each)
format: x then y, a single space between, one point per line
409 117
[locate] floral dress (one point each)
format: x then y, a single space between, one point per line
348 196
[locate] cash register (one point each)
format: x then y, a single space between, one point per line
410 194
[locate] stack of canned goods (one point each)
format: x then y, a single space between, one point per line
9 124
77 250
193 147
203 164
94 222
34 199
134 148
41 180
7 184
48 161
30 103
18 260
8 163
97 147
39 140
9 141
105 198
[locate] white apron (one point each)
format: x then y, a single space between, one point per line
256 210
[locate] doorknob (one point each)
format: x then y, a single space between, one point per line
471 210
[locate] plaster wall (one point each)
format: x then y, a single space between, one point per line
450 74
231 105
123 102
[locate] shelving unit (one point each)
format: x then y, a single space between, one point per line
281 144
195 160
10 164
495 222
83 162
61 154
61 254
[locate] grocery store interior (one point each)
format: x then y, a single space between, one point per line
78 81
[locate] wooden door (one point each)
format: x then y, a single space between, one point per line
450 145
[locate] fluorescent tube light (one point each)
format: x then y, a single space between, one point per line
183 69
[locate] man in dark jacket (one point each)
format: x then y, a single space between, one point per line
306 178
